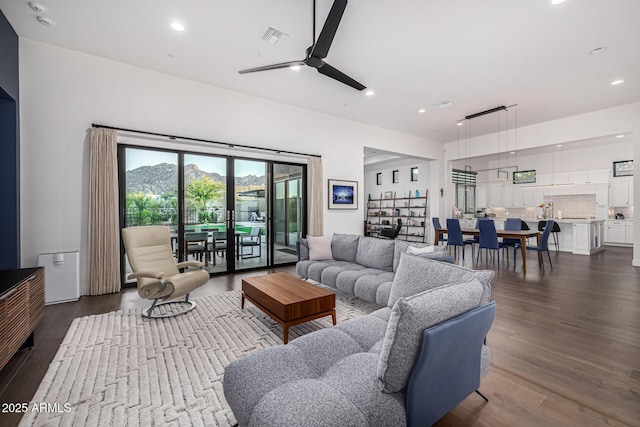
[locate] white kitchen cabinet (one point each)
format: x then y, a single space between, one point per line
621 193
629 233
615 232
532 197
587 238
602 195
495 192
589 177
512 196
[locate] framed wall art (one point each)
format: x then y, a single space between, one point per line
343 194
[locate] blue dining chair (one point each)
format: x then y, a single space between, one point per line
454 233
512 224
544 245
488 240
436 225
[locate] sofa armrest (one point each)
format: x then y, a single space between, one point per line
447 369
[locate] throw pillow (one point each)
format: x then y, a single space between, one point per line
319 248
418 251
344 247
409 318
416 274
402 246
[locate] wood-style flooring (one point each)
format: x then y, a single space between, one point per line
565 344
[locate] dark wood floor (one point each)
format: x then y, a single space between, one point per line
565 344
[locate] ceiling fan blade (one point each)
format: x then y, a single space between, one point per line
322 45
338 75
272 67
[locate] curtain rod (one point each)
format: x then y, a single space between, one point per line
174 137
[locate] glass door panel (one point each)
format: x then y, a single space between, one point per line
204 213
150 192
288 211
250 214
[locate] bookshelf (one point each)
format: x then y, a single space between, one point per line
384 212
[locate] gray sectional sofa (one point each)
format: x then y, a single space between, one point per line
408 363
362 266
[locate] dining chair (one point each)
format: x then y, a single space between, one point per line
436 225
544 244
454 233
554 232
513 224
489 240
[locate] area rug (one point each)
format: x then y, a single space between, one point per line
119 369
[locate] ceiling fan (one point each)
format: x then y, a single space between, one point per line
320 49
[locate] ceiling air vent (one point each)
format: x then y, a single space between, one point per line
273 35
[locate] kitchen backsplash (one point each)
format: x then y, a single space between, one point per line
574 205
627 211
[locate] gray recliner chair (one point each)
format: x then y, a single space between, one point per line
158 275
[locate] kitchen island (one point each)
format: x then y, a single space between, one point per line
581 236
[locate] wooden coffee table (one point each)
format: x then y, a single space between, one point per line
288 300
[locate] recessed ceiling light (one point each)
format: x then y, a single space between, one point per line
558 145
554 2
369 92
295 67
44 21
422 110
512 152
443 104
177 26
597 50
460 124
619 136
617 82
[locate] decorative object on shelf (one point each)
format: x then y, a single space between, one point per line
417 193
414 173
369 198
379 178
388 194
396 176
623 168
343 194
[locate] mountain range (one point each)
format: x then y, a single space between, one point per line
163 178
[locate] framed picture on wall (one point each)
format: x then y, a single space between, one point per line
623 168
379 178
414 174
343 194
396 176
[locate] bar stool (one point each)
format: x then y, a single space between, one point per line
554 232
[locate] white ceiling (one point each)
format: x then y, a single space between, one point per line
412 53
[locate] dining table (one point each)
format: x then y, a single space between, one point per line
523 235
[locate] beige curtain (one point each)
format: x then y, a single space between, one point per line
104 241
314 197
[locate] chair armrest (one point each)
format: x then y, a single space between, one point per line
149 274
447 369
185 264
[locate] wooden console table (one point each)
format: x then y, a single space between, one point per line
21 309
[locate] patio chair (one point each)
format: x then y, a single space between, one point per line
253 240
158 276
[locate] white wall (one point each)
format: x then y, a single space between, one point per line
63 92
612 121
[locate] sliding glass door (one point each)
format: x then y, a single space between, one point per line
231 214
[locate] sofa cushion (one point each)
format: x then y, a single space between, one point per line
402 246
344 247
319 248
330 274
316 268
303 249
375 253
346 280
416 274
366 287
410 316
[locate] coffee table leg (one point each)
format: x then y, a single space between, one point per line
242 305
333 316
285 328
